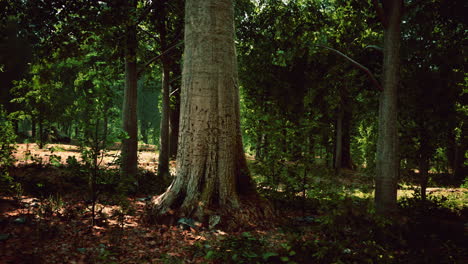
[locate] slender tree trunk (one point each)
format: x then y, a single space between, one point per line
105 128
144 131
346 160
163 165
387 164
423 174
41 133
339 141
163 162
460 161
212 173
174 126
33 128
129 111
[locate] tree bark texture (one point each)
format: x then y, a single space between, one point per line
129 111
212 173
387 164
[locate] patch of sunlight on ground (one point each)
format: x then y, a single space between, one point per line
457 198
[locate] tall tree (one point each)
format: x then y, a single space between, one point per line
129 110
163 161
390 13
212 173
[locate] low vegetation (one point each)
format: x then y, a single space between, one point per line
47 217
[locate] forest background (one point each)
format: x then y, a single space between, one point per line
101 76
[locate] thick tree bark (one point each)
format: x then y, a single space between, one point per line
387 144
212 174
129 111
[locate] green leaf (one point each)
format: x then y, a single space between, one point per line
268 255
210 254
4 236
20 220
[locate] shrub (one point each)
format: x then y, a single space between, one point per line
7 146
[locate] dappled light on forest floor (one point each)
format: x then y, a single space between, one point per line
44 231
48 219
30 153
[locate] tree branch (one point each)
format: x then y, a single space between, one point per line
358 65
158 57
173 92
374 47
151 36
145 12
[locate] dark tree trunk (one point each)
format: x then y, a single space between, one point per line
41 133
423 174
129 112
144 130
105 128
346 161
339 141
163 164
33 128
174 125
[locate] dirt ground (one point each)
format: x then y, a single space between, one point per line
38 227
43 228
30 153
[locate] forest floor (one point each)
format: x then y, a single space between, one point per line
48 220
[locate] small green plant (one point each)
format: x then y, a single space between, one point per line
7 146
56 149
50 206
72 162
465 183
55 160
243 249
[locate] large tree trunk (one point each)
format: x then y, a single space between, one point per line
129 111
387 144
212 174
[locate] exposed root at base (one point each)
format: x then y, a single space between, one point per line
253 212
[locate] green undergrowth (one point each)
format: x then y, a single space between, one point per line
331 219
346 230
